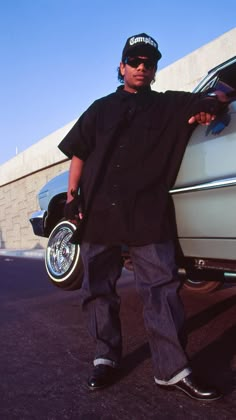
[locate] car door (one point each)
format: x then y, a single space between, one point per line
205 189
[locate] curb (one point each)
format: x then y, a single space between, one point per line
23 253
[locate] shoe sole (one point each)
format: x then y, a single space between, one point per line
97 388
196 398
177 388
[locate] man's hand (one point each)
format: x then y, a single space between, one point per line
202 118
73 210
210 107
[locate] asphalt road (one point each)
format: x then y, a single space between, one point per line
45 353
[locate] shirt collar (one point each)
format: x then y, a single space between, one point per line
145 89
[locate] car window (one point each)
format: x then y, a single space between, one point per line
224 79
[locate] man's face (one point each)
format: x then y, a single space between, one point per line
138 72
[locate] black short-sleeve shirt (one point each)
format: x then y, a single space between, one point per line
132 145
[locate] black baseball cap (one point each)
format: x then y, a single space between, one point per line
141 44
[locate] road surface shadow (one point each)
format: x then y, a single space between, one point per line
212 363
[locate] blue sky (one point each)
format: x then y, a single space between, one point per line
58 56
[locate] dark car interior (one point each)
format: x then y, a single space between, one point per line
224 80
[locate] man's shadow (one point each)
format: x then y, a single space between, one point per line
213 362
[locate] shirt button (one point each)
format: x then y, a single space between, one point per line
118 166
113 204
121 146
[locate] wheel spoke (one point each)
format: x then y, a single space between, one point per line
60 252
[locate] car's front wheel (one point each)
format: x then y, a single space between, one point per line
62 258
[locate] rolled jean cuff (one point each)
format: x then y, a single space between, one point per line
181 375
107 362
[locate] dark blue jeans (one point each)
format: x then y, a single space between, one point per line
157 283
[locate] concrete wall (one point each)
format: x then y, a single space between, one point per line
23 176
18 199
186 73
20 180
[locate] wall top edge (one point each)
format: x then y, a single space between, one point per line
40 155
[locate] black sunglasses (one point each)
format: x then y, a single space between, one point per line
134 62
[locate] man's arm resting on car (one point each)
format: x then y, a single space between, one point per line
205 118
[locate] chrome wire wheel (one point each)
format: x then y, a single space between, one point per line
62 258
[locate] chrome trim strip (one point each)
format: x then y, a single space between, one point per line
39 214
228 182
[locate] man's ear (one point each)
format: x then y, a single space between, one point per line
122 69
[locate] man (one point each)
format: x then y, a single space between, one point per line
125 153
